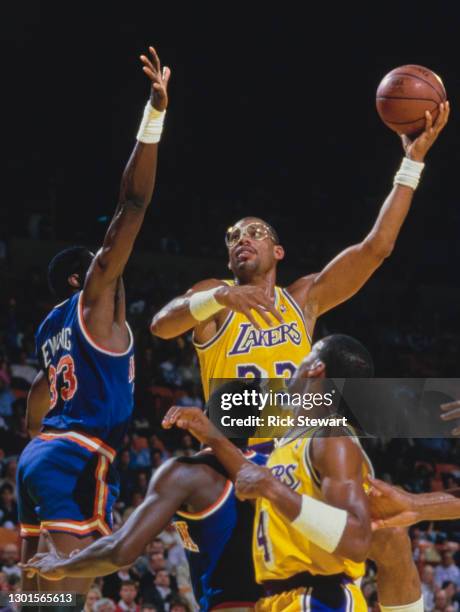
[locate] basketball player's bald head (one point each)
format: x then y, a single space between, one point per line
253 248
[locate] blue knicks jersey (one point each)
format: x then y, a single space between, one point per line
218 544
91 389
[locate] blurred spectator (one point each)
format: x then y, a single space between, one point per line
447 571
128 594
9 561
22 370
4 586
114 582
8 507
452 594
179 605
93 595
104 605
7 398
429 587
440 601
9 474
136 501
187 447
161 594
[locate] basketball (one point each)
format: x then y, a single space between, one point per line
404 95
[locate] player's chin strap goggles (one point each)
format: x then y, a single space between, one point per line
255 231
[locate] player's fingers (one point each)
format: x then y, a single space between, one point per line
247 313
378 524
456 431
170 417
48 540
155 58
373 492
276 313
262 311
185 423
166 74
450 405
148 72
451 415
378 485
145 60
443 116
428 121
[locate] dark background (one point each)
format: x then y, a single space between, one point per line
272 113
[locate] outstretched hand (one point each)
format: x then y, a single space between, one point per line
390 506
45 564
159 78
194 421
417 148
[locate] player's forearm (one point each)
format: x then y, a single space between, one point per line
139 176
383 236
38 403
96 560
173 320
230 457
439 506
331 528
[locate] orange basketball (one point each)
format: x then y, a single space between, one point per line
404 95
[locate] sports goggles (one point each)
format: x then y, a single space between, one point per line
255 231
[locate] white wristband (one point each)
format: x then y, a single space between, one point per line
151 125
322 524
409 173
203 304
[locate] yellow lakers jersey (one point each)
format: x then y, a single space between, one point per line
239 350
279 551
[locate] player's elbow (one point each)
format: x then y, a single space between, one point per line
357 552
379 247
356 547
120 554
159 327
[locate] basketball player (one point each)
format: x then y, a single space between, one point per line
213 524
251 327
85 388
312 531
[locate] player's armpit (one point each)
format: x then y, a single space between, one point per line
175 317
343 277
339 461
38 404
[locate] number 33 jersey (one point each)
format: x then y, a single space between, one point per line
91 388
239 350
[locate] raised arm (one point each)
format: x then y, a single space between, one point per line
170 486
38 404
350 270
103 278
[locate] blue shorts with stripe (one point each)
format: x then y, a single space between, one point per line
66 482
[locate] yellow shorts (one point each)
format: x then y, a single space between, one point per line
304 600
